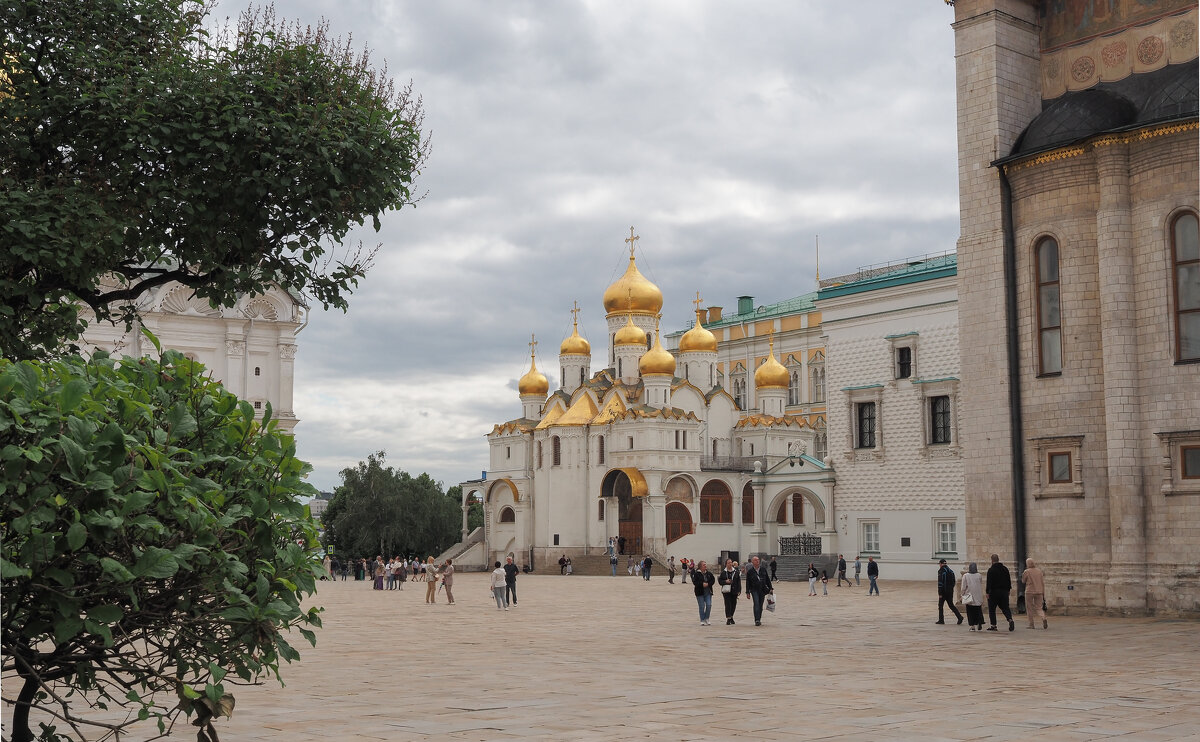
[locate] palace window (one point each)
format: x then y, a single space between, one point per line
794 386
939 419
818 383
556 451
821 446
864 432
869 530
508 452
1186 258
601 504
258 405
1049 311
1058 467
539 455
716 503
508 516
600 451
258 370
1189 457
1180 473
903 362
748 504
946 536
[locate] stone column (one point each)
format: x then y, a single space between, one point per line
1126 584
760 516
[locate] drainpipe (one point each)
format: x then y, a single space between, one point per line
1017 432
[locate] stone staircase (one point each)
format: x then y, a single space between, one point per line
795 568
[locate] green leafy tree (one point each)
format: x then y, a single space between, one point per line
151 543
138 149
379 510
474 507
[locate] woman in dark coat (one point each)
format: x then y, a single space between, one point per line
730 581
702 581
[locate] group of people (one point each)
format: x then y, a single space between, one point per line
993 589
757 584
391 574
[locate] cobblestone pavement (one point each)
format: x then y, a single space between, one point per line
596 658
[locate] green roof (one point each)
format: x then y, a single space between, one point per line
897 274
785 308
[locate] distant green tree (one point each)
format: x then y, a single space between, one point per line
151 543
137 149
474 507
379 510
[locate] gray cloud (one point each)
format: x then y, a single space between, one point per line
729 134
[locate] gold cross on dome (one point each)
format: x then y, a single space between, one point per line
575 312
697 301
532 345
631 239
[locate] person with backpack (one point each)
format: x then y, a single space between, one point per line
945 588
647 563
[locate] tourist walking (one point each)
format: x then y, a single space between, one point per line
687 568
703 580
629 566
327 563
671 571
999 585
497 584
857 570
825 583
431 573
1035 594
945 588
774 569
972 597
812 579
873 575
510 581
647 563
841 570
612 563
758 587
730 581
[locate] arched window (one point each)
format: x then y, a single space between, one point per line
1049 315
508 516
258 370
820 446
747 504
716 503
601 504
556 451
714 449
1185 256
818 383
600 452
794 387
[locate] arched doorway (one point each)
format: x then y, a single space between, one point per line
679 521
629 487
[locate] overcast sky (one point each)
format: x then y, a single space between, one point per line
728 134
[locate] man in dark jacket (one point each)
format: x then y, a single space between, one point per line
758 587
842 571
873 575
998 586
510 581
703 581
945 580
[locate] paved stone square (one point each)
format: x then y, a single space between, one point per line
597 658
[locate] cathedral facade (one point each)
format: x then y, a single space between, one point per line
650 450
1079 270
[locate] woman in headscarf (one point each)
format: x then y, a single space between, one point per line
972 595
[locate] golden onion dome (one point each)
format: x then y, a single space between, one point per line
772 373
575 345
698 338
533 382
632 292
657 360
630 334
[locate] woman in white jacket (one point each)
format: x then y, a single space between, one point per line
972 595
498 586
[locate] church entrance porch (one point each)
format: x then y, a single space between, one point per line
628 487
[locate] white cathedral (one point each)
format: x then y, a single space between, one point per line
650 448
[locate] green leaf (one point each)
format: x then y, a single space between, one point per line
76 536
10 571
74 454
67 628
156 563
71 394
115 570
106 614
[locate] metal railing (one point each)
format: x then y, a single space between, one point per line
806 544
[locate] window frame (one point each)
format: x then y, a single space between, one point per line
721 502
748 504
941 422
555 451
1174 445
939 549
1056 445
864 413
1177 313
1039 284
600 450
863 527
